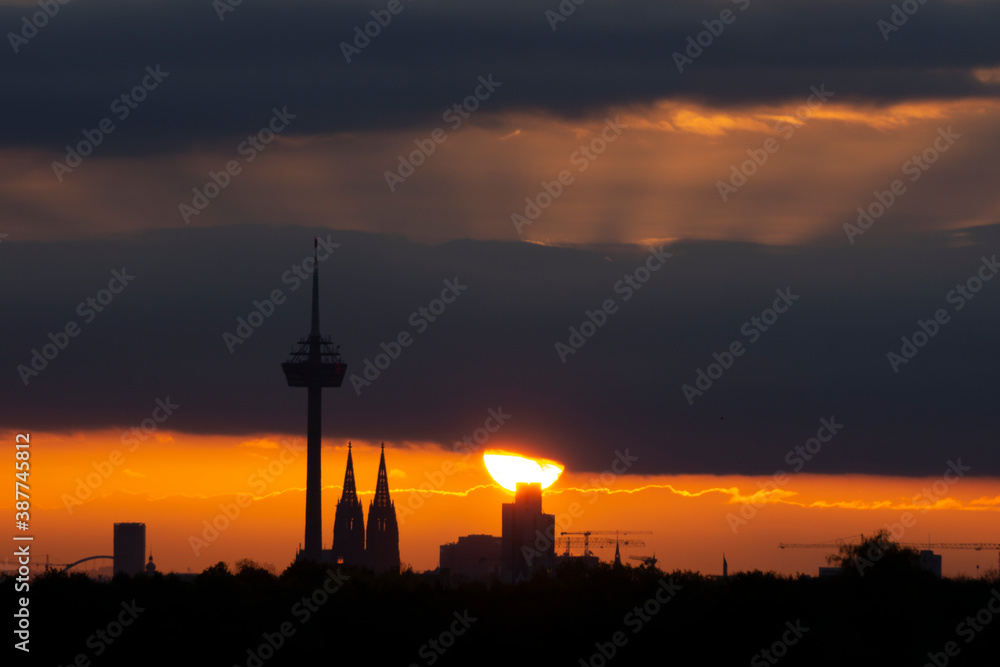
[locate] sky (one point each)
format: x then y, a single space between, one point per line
736 239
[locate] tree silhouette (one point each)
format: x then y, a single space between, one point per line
877 553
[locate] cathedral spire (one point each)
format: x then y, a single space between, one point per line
382 538
350 493
349 522
382 486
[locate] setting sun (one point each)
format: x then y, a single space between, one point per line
509 469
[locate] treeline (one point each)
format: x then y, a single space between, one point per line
887 613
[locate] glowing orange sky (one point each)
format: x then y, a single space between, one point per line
180 480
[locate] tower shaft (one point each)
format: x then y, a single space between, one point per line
314 468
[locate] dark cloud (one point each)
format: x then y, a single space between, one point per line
826 357
225 76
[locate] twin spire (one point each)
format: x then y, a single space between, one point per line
377 546
350 493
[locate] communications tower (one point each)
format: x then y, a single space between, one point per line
314 363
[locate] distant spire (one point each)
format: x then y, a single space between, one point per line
350 493
315 297
382 486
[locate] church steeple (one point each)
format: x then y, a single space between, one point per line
382 485
349 523
350 493
382 550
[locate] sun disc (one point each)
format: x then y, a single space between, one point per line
509 469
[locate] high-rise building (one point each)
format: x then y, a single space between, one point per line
528 540
472 557
130 548
349 522
382 543
930 561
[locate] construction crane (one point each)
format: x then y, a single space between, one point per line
836 544
587 533
565 544
599 543
646 560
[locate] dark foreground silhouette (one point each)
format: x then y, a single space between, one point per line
895 614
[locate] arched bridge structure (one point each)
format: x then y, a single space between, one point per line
84 560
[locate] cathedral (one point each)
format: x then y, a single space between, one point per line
378 547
